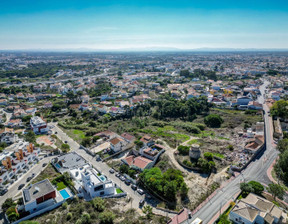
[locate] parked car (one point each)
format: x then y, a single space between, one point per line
28 179
111 171
44 164
134 187
122 178
117 175
141 203
127 181
140 191
33 175
21 186
3 192
148 196
65 142
56 132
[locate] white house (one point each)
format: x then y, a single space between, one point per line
96 185
116 144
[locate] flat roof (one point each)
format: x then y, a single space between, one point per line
37 190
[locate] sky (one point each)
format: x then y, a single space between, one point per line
143 24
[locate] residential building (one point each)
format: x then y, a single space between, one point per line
38 125
255 209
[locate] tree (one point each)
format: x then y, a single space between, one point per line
257 187
65 147
170 190
148 211
246 188
86 142
106 217
124 168
280 109
98 204
276 190
7 204
213 120
30 137
282 145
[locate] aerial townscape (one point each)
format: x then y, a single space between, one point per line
145 138
143 112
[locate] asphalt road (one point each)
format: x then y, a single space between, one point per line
104 168
257 170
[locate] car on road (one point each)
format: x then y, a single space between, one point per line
28 179
21 186
65 142
134 187
140 191
55 132
33 175
3 192
122 178
117 175
44 164
111 171
141 203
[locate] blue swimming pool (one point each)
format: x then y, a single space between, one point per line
57 165
64 194
103 178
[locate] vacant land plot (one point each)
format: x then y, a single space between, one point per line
48 173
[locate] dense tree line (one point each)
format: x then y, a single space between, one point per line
168 107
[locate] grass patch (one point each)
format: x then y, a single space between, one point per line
193 141
80 133
205 134
119 191
60 186
218 155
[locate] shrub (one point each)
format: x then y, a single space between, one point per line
69 216
183 150
208 155
65 205
230 147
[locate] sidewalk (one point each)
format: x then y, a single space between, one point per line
223 209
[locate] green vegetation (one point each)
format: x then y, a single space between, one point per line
251 187
276 190
119 191
166 185
183 150
65 147
80 133
193 141
280 109
213 120
60 186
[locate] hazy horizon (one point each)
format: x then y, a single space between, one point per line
118 25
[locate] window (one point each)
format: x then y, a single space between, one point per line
98 188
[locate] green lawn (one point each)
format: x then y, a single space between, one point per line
60 186
80 133
119 191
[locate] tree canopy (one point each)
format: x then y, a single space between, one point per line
213 120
